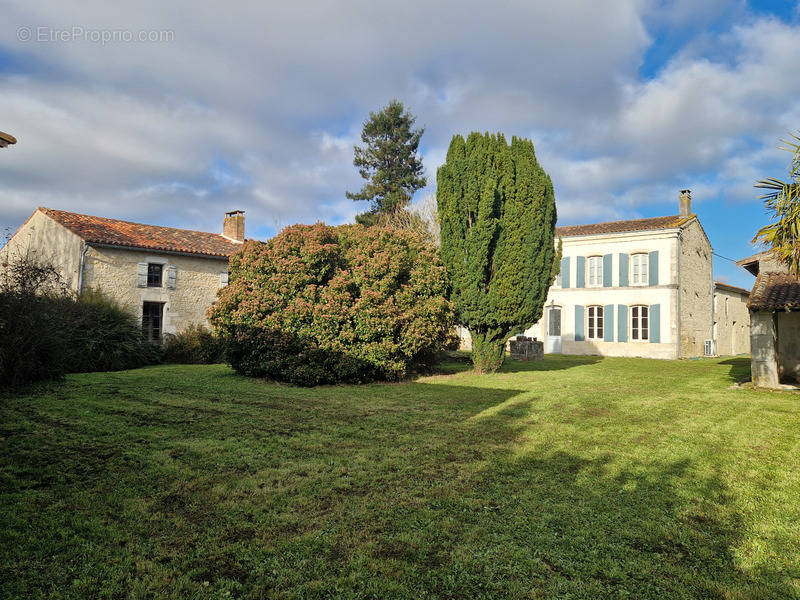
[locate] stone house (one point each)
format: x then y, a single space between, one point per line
167 277
731 332
774 305
641 287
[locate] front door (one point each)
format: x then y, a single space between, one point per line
553 338
152 317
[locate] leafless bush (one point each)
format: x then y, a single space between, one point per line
26 274
422 219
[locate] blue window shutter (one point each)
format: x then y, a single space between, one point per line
622 323
172 276
578 323
608 322
607 266
655 323
653 268
565 272
623 269
580 271
141 274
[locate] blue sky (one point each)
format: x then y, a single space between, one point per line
174 113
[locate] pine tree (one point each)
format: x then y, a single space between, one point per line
497 213
388 161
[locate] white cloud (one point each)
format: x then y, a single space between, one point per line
258 106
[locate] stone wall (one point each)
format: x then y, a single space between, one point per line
789 346
114 272
525 348
46 241
695 291
731 322
763 358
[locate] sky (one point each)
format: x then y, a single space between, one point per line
173 113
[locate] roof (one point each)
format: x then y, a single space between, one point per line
670 222
112 232
752 264
731 288
775 291
6 139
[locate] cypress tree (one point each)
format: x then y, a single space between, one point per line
497 212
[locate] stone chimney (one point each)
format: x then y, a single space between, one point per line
233 225
685 202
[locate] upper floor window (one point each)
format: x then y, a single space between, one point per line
594 324
639 269
640 323
154 273
594 267
557 282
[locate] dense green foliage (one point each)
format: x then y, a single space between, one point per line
497 215
320 304
562 478
389 162
194 345
44 335
782 200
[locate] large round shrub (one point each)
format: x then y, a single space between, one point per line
320 304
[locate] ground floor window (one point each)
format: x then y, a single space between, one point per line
595 323
640 323
152 317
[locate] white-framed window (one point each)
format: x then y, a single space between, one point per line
639 269
594 323
640 323
557 282
594 268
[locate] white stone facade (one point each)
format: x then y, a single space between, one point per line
662 274
620 299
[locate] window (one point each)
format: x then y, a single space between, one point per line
595 323
594 265
554 321
151 321
640 323
557 282
154 272
639 267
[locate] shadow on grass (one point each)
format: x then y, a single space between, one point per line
739 368
551 362
223 486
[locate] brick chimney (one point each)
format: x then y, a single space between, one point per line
233 225
685 202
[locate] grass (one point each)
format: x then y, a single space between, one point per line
575 477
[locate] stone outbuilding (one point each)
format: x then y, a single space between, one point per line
167 277
731 320
774 306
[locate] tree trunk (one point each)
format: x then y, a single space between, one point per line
488 351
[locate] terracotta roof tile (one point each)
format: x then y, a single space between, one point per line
775 291
654 223
100 230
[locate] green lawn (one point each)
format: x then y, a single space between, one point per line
575 477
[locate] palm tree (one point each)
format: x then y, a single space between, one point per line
783 202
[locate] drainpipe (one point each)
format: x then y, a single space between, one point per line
80 268
679 318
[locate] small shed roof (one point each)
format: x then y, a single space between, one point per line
775 291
